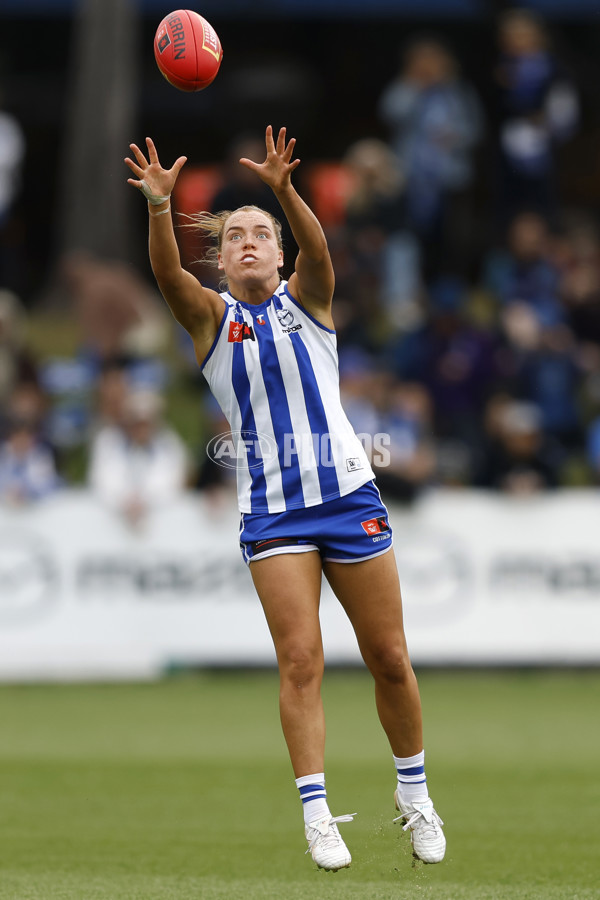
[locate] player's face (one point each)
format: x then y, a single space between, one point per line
249 250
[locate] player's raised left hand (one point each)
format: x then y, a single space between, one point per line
277 168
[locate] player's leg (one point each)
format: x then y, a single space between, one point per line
289 588
369 591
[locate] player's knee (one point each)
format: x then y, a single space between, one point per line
391 663
300 665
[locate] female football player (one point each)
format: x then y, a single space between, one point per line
306 491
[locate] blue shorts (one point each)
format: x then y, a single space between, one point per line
349 529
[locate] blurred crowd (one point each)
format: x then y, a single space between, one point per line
472 345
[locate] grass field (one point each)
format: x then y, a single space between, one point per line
182 789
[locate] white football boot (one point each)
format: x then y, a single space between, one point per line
426 835
325 843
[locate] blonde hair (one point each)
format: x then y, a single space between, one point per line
212 225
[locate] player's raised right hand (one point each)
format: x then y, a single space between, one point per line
151 179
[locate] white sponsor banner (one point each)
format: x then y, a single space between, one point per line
486 579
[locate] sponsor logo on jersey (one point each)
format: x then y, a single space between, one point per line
285 316
239 331
376 526
260 319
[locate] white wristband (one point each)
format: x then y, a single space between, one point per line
153 199
161 212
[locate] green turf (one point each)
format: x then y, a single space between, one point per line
182 790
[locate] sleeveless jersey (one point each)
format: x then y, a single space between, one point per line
273 369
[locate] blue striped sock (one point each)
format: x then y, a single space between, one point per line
412 781
313 796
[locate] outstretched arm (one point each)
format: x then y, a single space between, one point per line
194 306
313 280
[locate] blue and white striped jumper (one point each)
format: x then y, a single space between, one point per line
273 369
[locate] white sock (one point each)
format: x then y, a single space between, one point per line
313 796
412 782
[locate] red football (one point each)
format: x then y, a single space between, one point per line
187 50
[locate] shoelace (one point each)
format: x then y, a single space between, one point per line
348 817
427 826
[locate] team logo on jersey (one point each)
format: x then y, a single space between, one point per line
376 526
285 316
239 331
